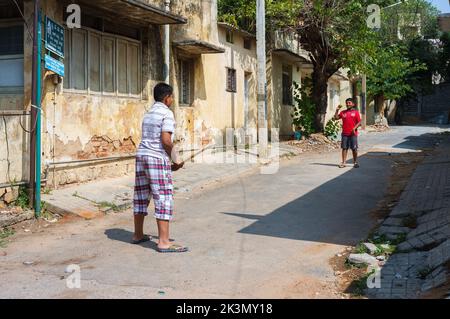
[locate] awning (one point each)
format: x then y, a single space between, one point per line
292 56
136 11
197 47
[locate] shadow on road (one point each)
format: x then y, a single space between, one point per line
337 211
126 236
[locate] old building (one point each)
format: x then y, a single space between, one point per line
91 121
91 118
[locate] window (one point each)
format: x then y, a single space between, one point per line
229 36
231 80
287 85
11 58
247 43
100 63
186 82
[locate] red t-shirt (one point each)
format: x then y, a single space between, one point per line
349 120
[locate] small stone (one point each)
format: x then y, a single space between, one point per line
339 255
27 230
371 247
381 258
337 273
161 292
28 263
362 259
398 276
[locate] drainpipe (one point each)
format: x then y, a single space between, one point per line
167 47
35 96
37 205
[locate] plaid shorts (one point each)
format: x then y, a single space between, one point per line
153 177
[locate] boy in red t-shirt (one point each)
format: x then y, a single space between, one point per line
351 121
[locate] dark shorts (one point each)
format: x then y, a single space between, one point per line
349 142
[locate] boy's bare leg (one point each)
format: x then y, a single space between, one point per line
355 156
138 227
344 156
163 234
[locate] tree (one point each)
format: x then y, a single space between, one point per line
388 75
444 56
333 31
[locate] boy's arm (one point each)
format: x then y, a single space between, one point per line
166 139
336 115
357 124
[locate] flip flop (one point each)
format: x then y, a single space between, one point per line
173 249
356 165
143 240
342 166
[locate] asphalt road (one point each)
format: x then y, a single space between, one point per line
263 236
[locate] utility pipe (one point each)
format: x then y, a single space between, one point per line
167 47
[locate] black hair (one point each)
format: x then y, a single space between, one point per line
350 100
161 91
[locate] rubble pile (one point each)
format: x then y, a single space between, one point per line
315 143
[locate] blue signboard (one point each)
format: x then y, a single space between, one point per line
54 65
54 37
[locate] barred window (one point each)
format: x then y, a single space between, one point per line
231 80
186 82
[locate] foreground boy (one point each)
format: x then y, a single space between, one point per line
154 170
351 121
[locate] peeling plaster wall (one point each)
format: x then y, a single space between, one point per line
214 109
81 126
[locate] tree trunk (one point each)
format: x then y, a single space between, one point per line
355 91
380 106
320 98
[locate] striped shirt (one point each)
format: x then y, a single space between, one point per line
159 119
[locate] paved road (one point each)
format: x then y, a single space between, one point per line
262 236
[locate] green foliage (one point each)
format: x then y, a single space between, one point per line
388 72
22 200
304 108
242 13
4 234
361 249
444 56
332 129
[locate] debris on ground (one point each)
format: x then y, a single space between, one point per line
377 128
13 215
315 143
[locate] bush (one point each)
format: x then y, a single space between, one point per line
304 108
332 129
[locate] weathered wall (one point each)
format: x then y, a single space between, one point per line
78 126
279 116
213 109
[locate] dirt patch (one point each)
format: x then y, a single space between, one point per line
347 276
315 143
377 128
